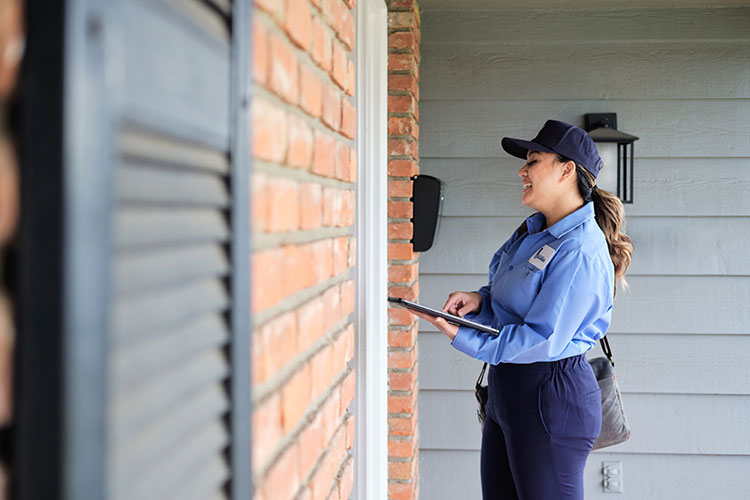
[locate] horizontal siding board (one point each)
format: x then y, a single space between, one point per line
663 246
655 304
452 474
161 351
700 187
660 423
176 75
144 270
145 402
646 363
587 27
667 128
163 308
140 183
503 71
149 226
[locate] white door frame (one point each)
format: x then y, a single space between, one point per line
371 315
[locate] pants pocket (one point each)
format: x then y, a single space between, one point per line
568 408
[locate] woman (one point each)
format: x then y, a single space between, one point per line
550 293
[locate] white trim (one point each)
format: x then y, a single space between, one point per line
371 315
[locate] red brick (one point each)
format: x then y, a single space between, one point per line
401 20
298 273
330 414
284 204
310 322
403 147
340 65
311 91
342 353
401 491
402 426
400 209
266 429
402 470
298 22
347 209
401 62
346 28
260 202
331 307
346 483
350 432
283 478
322 259
402 338
402 448
353 166
403 126
400 230
258 362
401 104
281 346
267 288
402 360
403 40
406 83
347 297
299 152
322 481
295 397
322 48
351 83
284 73
402 168
405 273
332 203
311 206
273 7
320 370
348 119
331 109
340 255
403 381
324 162
311 443
352 252
400 316
348 388
408 292
260 52
269 131
400 189
342 161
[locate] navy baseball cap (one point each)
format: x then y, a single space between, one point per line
561 138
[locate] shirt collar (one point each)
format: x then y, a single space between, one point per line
571 221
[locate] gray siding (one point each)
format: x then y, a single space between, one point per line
679 79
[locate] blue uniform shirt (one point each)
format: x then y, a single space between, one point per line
549 293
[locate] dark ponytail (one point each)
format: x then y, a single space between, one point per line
610 215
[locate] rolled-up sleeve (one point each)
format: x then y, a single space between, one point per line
574 294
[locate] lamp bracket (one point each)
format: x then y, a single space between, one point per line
600 120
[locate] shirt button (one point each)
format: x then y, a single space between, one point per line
510 268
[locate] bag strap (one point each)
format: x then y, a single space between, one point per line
481 376
607 350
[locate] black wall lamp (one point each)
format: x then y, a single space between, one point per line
616 149
427 198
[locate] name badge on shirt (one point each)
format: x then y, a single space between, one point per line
542 256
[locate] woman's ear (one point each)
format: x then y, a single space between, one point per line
568 170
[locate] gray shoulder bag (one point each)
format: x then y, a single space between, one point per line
615 428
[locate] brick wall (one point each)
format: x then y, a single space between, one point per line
303 212
403 163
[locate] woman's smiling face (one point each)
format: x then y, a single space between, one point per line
541 177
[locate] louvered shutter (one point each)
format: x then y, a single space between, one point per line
169 367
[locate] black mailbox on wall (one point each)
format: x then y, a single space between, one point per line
427 198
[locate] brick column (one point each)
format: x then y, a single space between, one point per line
303 213
403 163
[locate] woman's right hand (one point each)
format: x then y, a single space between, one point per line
461 303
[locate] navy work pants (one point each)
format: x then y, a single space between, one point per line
542 419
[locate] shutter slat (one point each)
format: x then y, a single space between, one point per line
166 307
204 484
161 475
139 183
142 403
143 226
162 435
138 271
139 145
202 15
160 351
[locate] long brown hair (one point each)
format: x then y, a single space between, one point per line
610 215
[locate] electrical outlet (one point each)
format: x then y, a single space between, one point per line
612 476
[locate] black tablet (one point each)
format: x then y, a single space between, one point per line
456 320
